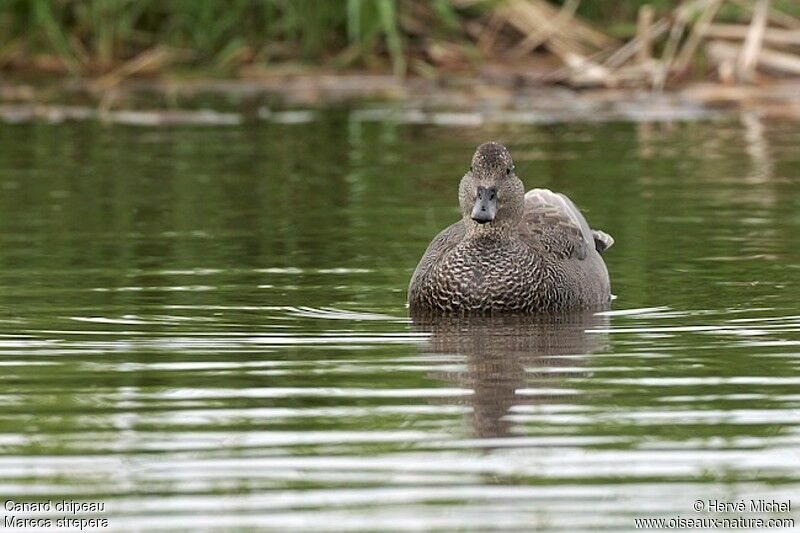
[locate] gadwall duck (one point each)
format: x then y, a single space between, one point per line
512 252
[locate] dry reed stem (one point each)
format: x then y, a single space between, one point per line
738 32
534 40
752 43
645 49
151 60
629 49
721 51
698 30
775 16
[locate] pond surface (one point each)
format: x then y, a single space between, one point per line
205 327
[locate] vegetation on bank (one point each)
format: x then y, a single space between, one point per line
94 36
247 37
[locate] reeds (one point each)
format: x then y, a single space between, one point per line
115 39
96 36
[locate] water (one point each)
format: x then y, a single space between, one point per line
205 327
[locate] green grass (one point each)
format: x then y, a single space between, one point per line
94 35
90 37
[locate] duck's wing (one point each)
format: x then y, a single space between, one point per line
445 241
551 220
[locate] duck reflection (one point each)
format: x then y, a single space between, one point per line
509 358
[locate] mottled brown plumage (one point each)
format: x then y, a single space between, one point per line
511 252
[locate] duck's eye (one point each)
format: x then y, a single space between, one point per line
508 171
470 168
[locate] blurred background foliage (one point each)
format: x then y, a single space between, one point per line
91 37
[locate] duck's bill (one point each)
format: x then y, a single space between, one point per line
485 207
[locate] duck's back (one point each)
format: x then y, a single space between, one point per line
551 218
559 234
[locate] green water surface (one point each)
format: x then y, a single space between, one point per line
205 328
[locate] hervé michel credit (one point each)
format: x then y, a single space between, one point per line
749 506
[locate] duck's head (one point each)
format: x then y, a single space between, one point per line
491 195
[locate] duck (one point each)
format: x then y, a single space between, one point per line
512 252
